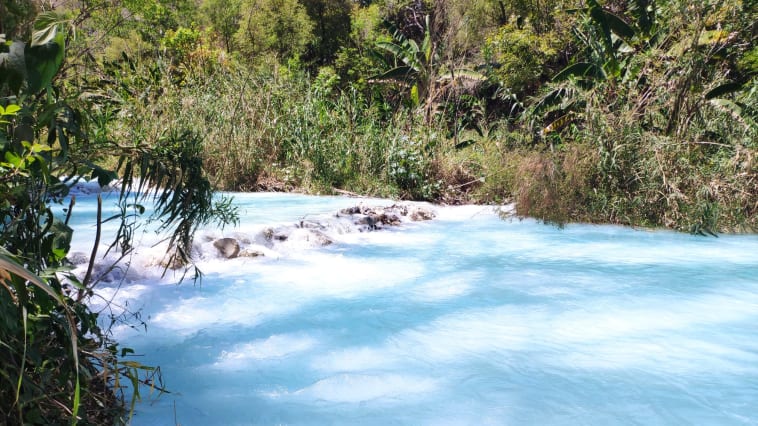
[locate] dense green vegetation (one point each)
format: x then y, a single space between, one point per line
638 112
633 112
57 364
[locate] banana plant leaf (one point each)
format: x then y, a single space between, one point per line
402 75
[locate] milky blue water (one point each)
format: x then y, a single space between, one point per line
465 319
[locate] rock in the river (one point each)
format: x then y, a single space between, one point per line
227 247
319 238
418 214
172 262
249 252
78 258
318 231
307 238
374 218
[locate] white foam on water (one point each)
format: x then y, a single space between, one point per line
445 288
277 346
359 359
188 315
117 295
334 275
662 354
451 338
357 388
633 337
513 321
650 316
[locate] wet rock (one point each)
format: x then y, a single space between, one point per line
390 219
304 238
309 224
319 238
351 210
371 221
248 252
242 237
172 262
419 214
77 258
319 231
227 247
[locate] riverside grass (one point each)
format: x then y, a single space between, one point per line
282 131
646 143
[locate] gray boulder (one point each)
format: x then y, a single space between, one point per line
227 247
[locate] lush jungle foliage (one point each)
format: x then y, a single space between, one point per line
57 364
639 112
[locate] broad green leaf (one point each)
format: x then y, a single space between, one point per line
390 47
579 69
618 26
395 75
11 109
723 89
38 147
599 16
9 265
14 159
104 177
45 35
43 62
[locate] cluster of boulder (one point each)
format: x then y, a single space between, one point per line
306 233
316 232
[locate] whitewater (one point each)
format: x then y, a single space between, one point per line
466 318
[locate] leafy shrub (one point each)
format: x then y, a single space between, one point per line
521 55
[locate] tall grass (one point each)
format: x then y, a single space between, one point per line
615 159
276 129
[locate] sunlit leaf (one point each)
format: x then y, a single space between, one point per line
579 69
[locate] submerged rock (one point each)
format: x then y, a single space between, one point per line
375 218
419 214
249 252
318 231
227 247
172 262
77 258
311 237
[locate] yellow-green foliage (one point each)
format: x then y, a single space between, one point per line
181 42
130 43
521 55
278 27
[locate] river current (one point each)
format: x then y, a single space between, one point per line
463 319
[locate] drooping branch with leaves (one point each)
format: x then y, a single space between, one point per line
57 364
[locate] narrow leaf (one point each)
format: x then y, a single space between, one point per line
723 89
399 74
579 69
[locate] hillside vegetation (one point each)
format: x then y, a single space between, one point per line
635 112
